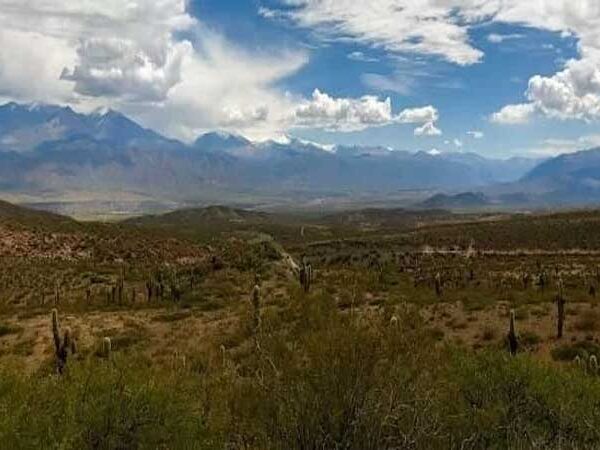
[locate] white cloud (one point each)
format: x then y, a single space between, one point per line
105 48
514 114
130 56
360 56
434 152
343 114
348 114
458 143
495 38
31 63
555 147
428 27
476 134
574 92
428 129
114 67
441 28
226 88
426 114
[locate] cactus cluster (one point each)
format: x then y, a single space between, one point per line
589 365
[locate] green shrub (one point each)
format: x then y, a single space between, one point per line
98 405
568 352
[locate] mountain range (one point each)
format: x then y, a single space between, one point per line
52 155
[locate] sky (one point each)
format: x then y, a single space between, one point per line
497 77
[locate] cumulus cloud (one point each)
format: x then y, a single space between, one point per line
348 114
30 65
514 114
441 28
106 48
426 114
476 134
155 62
132 56
119 68
223 87
428 129
574 92
343 113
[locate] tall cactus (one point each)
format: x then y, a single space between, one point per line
560 306
149 287
306 275
63 345
56 293
106 347
438 284
256 320
513 341
121 285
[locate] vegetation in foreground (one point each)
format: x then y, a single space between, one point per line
318 379
396 340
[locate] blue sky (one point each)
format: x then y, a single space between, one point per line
498 78
465 96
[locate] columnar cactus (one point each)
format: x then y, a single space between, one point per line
56 293
306 275
149 290
106 347
121 285
513 341
438 284
223 355
560 305
63 345
256 308
593 366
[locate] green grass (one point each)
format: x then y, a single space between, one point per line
568 352
321 379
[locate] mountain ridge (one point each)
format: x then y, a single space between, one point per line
49 150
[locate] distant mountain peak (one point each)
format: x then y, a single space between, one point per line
220 141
